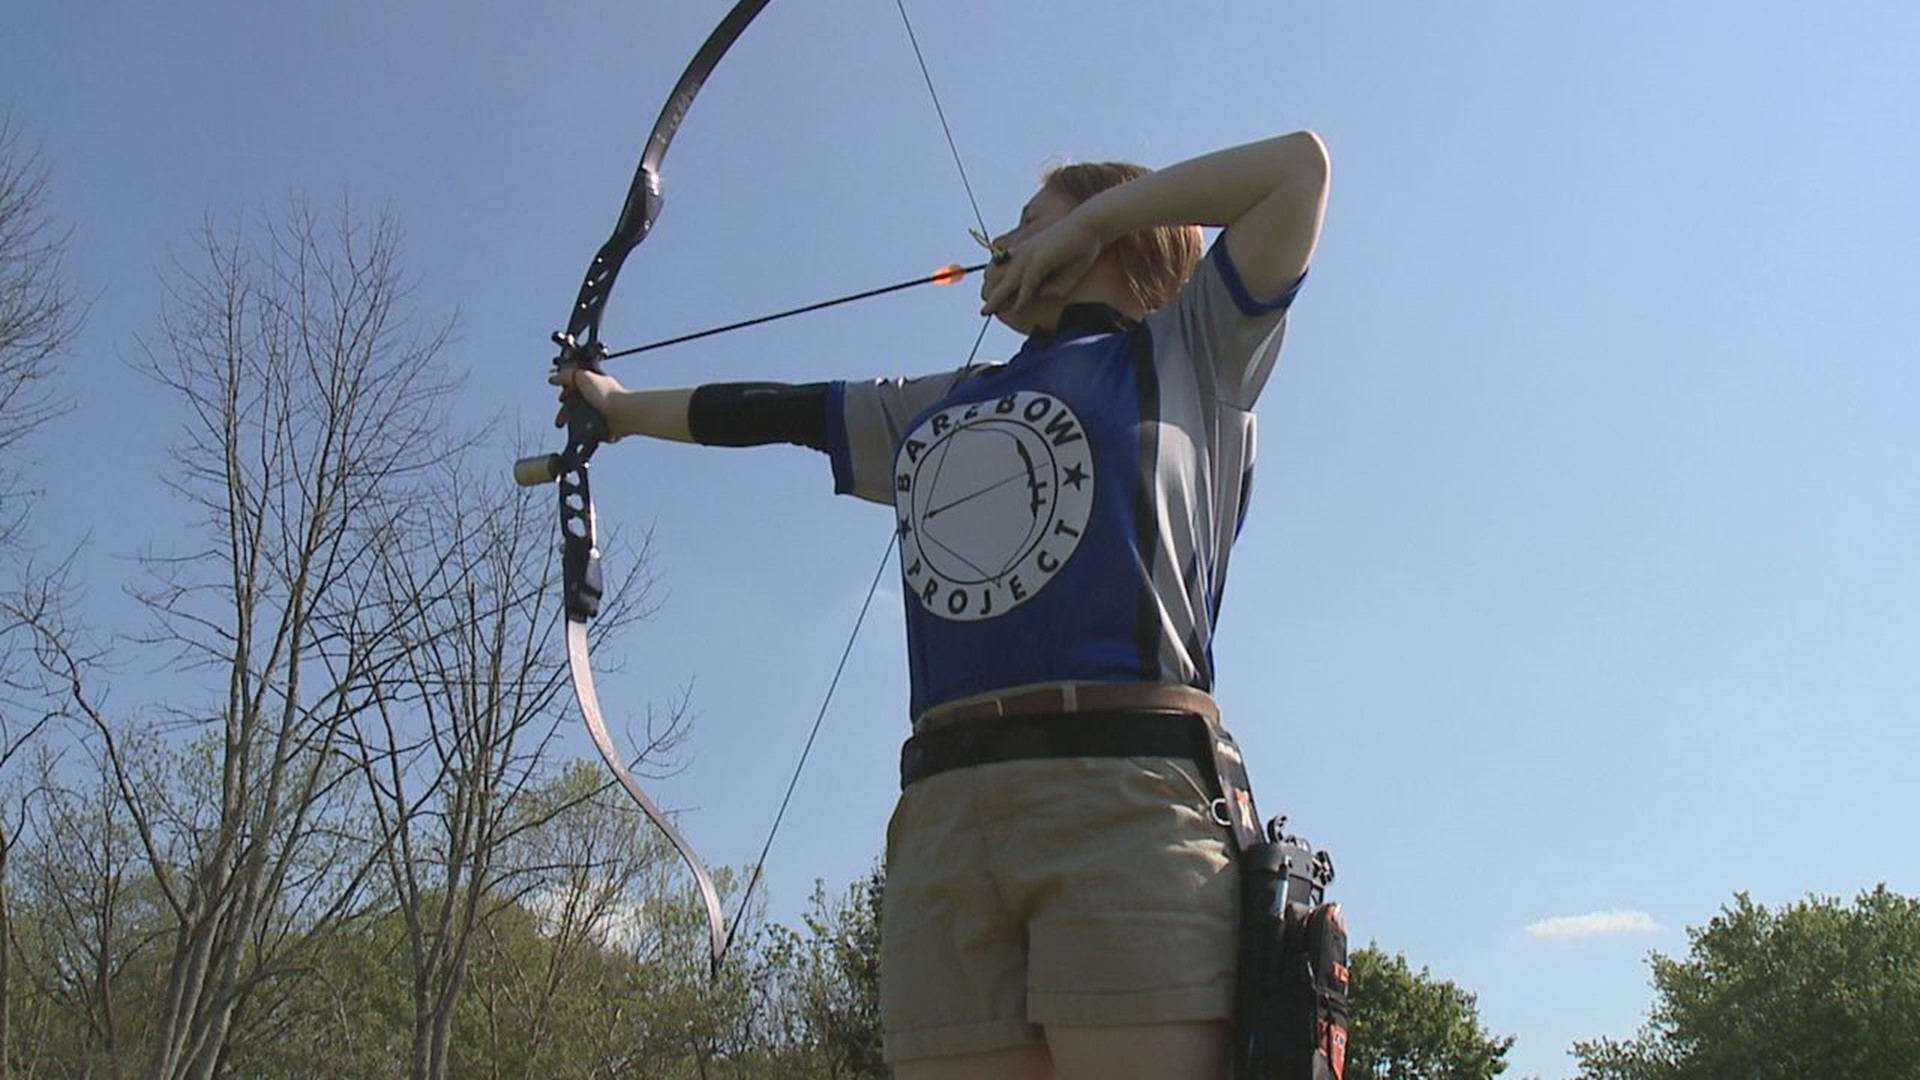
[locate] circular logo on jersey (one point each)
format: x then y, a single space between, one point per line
992 498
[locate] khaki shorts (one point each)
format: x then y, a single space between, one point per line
1083 891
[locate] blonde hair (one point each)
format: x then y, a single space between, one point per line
1154 262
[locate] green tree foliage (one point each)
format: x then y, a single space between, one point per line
1817 988
824 1003
796 1003
1407 1025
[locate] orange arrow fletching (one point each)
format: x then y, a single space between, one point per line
948 274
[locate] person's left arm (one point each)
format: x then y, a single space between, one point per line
1268 197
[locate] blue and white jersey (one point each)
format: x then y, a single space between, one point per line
1068 515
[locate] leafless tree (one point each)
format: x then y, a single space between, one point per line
313 413
94 919
38 313
374 685
466 710
25 715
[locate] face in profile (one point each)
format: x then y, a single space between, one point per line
1046 207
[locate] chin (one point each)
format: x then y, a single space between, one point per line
1027 320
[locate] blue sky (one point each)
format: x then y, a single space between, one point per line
1580 577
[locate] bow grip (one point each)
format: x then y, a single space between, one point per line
586 427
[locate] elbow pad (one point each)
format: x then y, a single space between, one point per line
755 414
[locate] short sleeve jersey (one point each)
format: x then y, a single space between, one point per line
1068 515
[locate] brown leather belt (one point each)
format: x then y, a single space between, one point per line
1129 734
1059 698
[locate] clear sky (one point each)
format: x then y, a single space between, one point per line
1581 572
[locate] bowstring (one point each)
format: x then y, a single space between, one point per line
952 146
893 537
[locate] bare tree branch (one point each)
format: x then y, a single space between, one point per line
38 314
312 415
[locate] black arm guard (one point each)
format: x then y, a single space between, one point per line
755 414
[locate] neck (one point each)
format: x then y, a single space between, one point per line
1101 286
